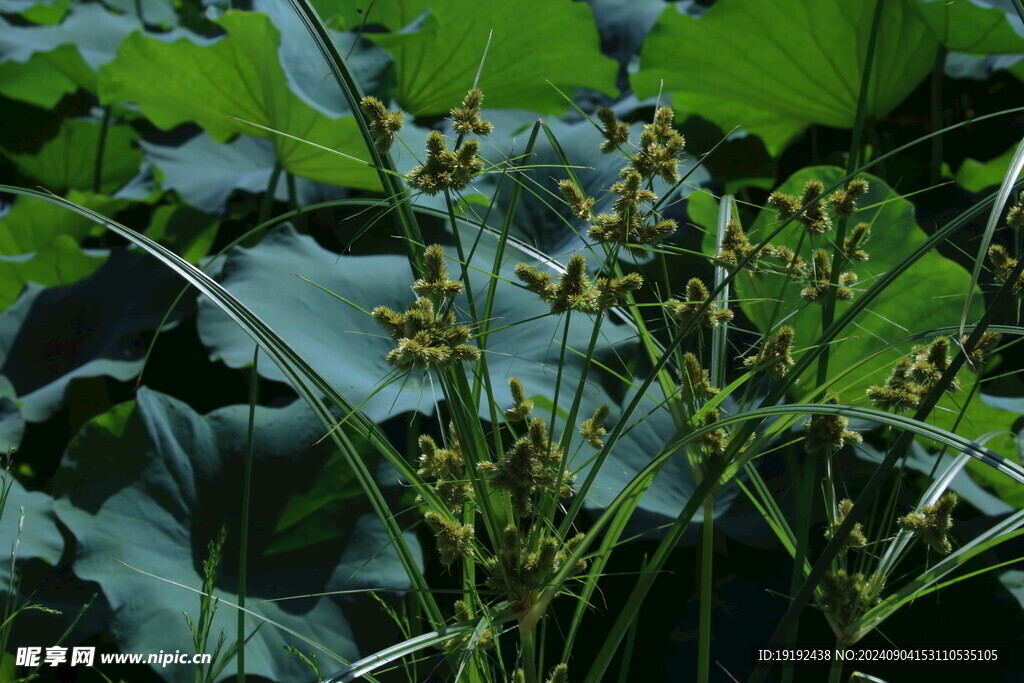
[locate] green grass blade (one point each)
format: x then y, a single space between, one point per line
1016 166
306 381
394 189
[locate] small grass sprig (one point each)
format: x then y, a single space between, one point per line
615 132
1004 265
736 247
521 406
660 148
847 596
446 467
855 539
592 429
932 523
529 469
819 280
775 357
445 169
466 119
827 434
696 384
383 122
697 293
574 290
426 337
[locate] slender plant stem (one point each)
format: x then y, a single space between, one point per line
707 549
835 671
938 73
243 532
852 162
874 485
268 197
528 653
101 148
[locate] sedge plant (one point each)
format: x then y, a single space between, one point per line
504 472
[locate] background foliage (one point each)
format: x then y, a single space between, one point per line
158 112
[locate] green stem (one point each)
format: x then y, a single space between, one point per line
874 485
835 671
706 568
838 256
243 536
803 526
97 173
528 654
267 202
395 191
938 73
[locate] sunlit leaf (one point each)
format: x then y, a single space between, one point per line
437 60
807 70
929 295
68 161
239 76
170 483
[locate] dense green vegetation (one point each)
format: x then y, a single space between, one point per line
526 341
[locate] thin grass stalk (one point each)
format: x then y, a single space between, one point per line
101 148
895 454
829 304
627 649
243 532
707 551
300 375
484 375
395 191
267 201
1016 166
506 226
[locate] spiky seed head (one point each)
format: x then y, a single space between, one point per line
977 356
383 123
696 384
521 406
786 205
615 132
593 429
855 539
775 354
577 200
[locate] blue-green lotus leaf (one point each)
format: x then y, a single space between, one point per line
556 232
104 321
38 537
151 482
349 348
41 64
204 172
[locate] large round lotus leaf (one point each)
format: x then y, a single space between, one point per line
151 482
104 319
801 63
348 348
438 47
929 295
38 536
238 75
